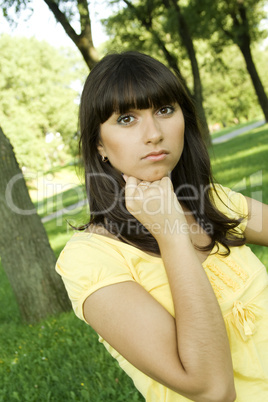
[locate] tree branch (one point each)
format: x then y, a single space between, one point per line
62 19
147 23
83 10
83 41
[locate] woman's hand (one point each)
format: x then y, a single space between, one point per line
156 206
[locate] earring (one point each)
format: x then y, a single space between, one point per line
104 158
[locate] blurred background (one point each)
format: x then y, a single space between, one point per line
47 48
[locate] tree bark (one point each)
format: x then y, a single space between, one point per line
198 92
256 81
26 255
84 41
242 38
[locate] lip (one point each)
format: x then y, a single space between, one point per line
156 155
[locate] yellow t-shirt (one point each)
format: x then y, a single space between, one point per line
240 282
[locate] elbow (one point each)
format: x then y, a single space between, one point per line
229 395
216 390
219 393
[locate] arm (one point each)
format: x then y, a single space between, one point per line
189 354
257 228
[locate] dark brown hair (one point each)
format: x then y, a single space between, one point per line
120 82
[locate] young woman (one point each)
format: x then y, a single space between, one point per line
161 271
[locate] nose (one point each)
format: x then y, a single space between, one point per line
152 130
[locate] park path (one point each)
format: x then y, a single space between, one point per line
234 133
62 211
218 140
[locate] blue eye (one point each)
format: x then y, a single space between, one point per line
125 119
165 110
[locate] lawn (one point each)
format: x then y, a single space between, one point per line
242 164
60 358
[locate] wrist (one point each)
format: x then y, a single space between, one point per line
170 229
174 241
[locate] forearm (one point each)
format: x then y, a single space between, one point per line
195 346
202 342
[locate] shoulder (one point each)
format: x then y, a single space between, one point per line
229 202
87 247
89 262
257 228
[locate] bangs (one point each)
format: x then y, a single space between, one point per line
131 85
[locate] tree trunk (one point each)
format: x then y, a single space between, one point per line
26 255
241 37
255 78
84 41
189 46
171 61
146 21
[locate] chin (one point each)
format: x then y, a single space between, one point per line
154 177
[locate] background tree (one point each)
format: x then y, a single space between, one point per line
184 30
221 23
26 255
234 21
229 97
67 13
37 99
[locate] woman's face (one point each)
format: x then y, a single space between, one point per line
144 143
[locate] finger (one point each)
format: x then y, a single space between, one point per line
125 177
131 186
166 183
144 184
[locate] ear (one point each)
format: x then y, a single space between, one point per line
100 149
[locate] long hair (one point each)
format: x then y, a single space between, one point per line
118 83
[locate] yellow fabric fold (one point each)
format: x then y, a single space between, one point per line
243 319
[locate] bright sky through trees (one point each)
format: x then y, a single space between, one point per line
43 26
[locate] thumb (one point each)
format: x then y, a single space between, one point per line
125 177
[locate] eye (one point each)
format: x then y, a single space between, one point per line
125 119
165 110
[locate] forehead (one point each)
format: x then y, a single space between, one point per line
135 92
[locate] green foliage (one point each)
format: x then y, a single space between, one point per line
228 92
138 27
12 9
36 98
126 32
227 89
210 17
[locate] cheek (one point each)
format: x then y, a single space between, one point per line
178 133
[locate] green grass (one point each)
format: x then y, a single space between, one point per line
60 359
242 164
60 200
56 189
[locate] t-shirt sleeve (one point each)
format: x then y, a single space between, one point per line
232 204
87 264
